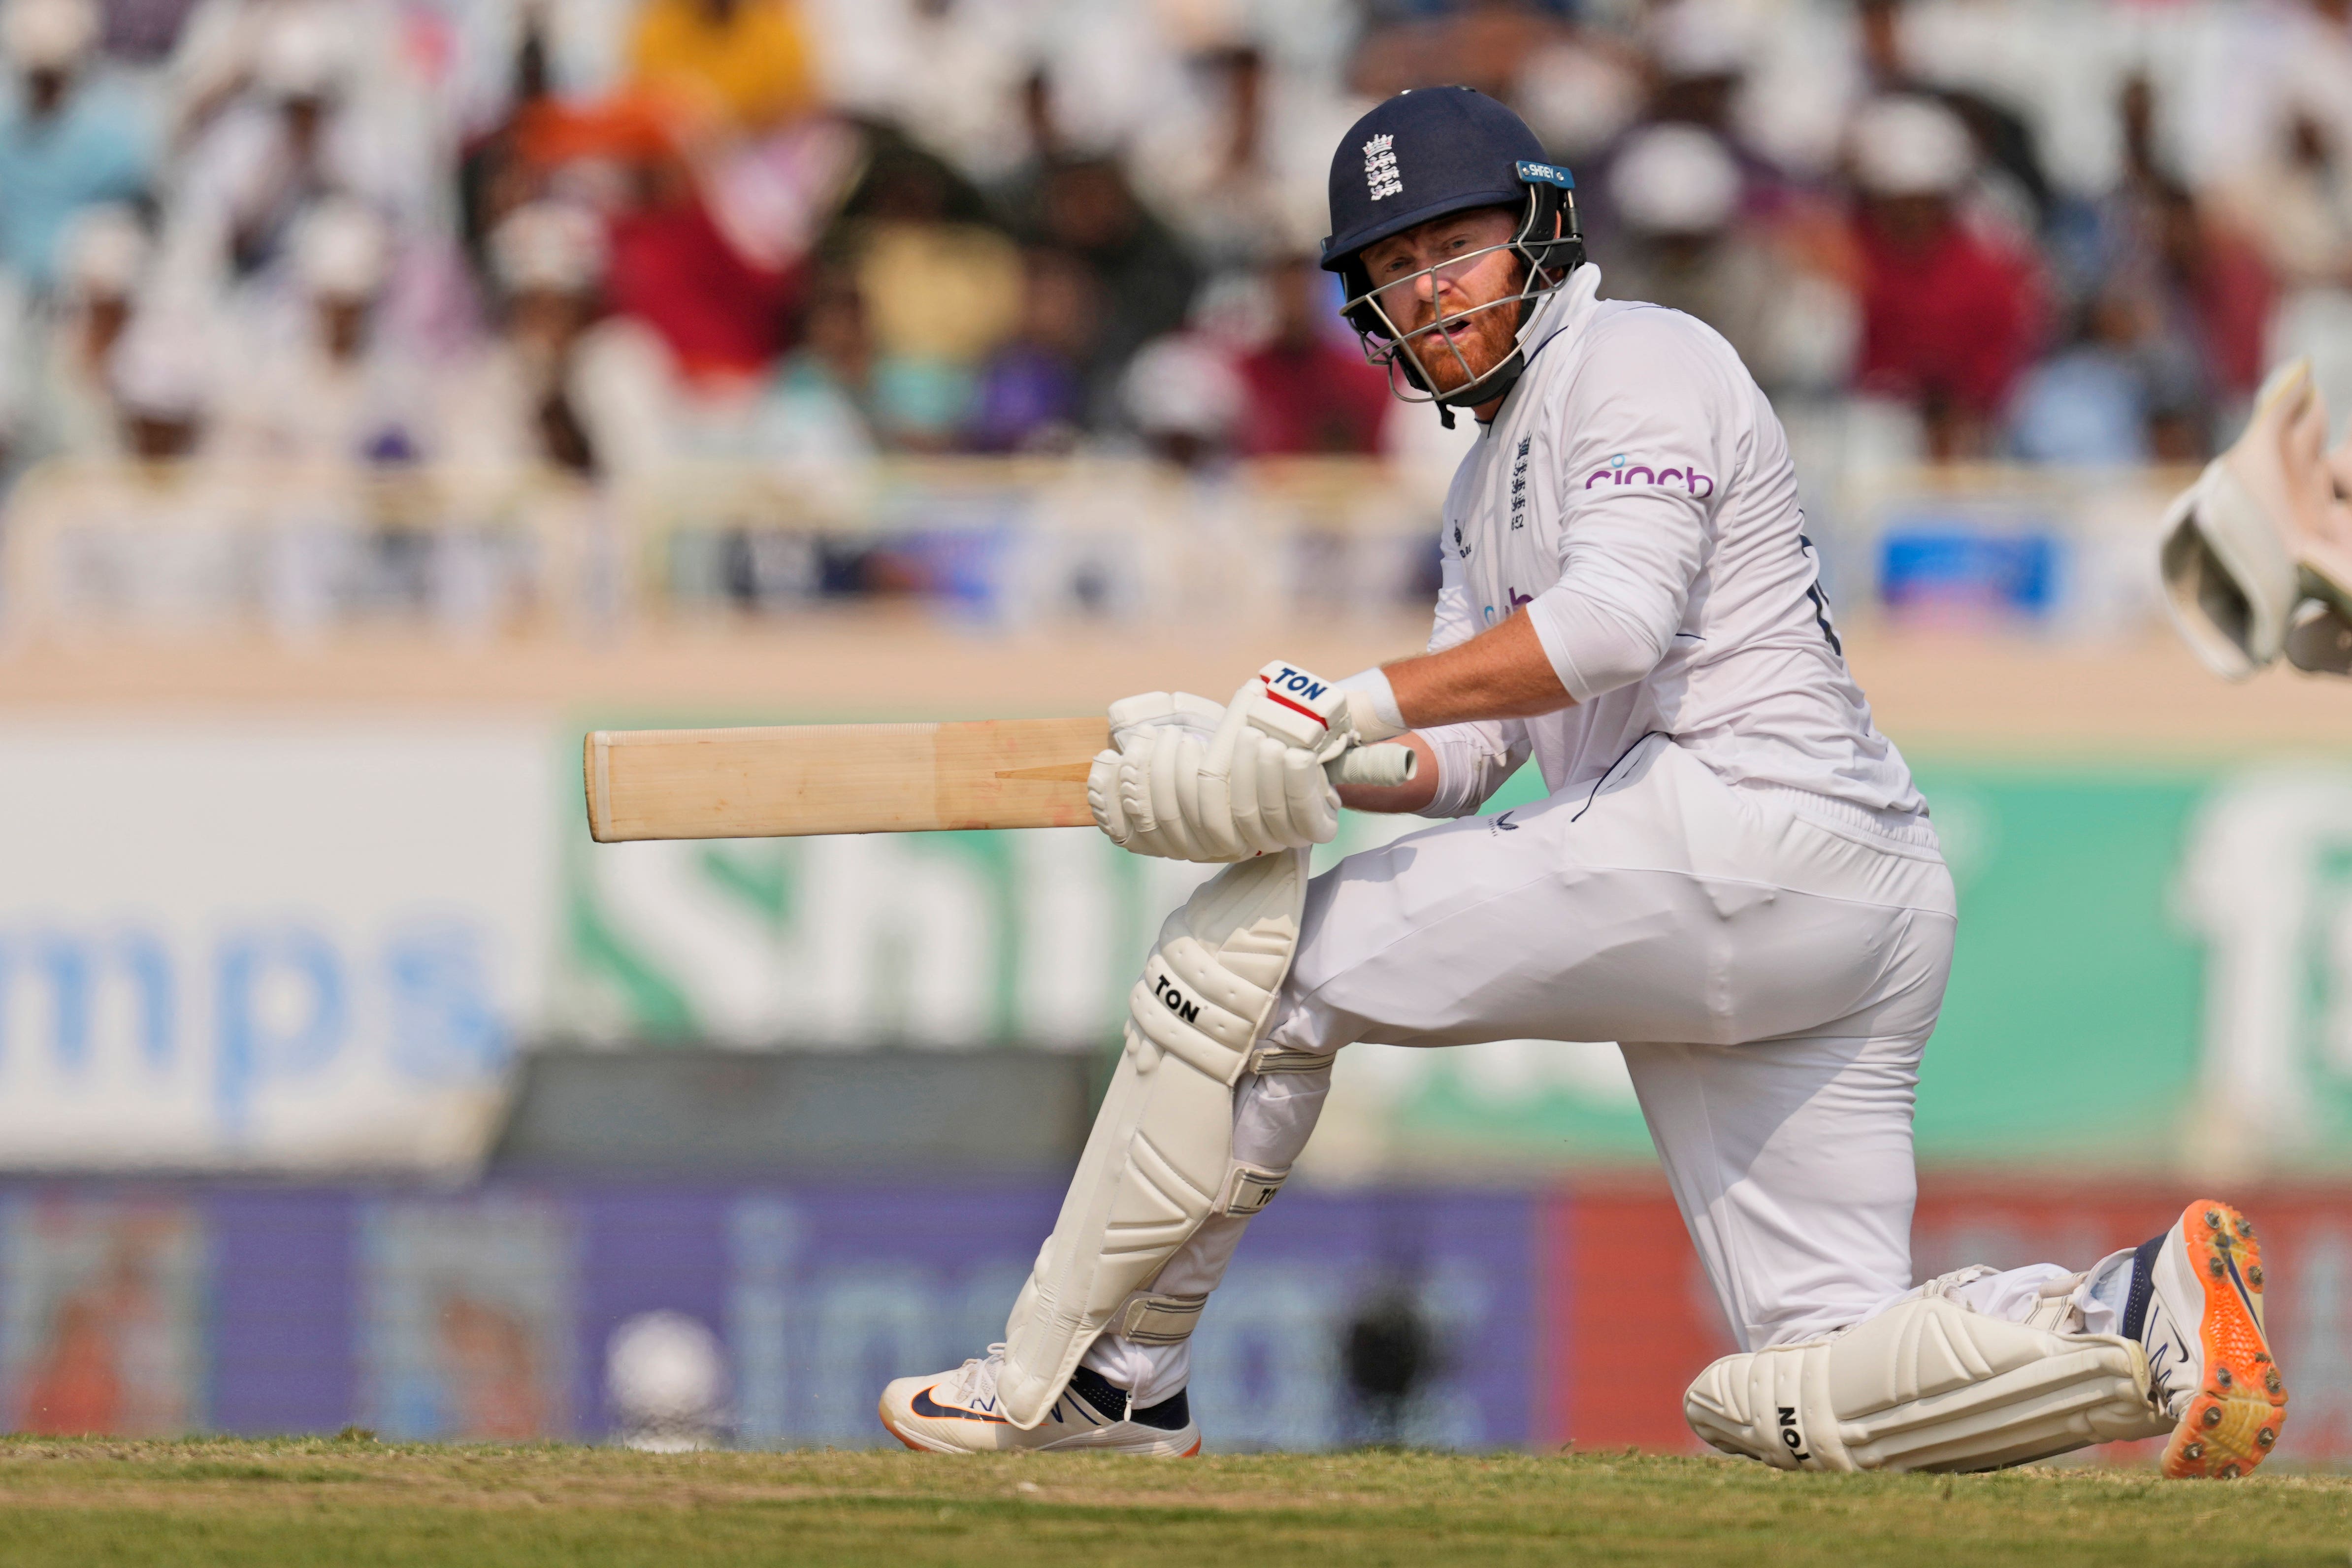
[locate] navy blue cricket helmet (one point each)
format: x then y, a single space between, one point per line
1421 155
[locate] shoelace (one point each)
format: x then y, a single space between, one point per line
976 1379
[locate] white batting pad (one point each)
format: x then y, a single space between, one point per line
1928 1384
1160 1160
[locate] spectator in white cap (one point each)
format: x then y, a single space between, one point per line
67 140
1683 242
1185 399
1951 316
162 376
564 385
1699 54
221 49
310 122
328 387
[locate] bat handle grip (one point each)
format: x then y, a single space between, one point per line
1382 766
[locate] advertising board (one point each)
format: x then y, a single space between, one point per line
316 947
491 1314
1524 1319
247 946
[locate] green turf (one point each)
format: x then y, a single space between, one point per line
259 1504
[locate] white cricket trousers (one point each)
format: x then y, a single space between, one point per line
1772 978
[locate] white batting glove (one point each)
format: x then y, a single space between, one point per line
1158 732
1266 768
1193 781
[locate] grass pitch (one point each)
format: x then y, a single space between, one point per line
261 1504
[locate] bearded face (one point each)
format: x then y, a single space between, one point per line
1450 286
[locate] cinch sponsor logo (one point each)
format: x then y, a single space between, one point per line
1620 472
1517 599
1175 1001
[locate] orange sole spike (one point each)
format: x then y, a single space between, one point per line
2234 1422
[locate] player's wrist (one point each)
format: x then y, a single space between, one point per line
1372 705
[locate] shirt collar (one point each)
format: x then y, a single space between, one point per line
1564 309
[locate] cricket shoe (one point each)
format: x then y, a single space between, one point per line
958 1413
2196 1303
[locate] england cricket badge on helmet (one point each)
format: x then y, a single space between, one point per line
1425 154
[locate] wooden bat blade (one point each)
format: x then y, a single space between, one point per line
789 779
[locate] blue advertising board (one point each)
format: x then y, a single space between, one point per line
487 1314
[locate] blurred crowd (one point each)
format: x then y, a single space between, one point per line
611 234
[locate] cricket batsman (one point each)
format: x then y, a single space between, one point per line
1733 876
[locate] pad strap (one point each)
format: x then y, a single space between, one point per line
1274 1058
1248 1189
1153 1319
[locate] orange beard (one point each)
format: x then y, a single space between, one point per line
1486 338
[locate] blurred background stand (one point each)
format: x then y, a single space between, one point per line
817 1116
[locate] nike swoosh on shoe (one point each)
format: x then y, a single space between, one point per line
924 1404
2245 1297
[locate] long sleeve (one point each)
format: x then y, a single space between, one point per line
1644 457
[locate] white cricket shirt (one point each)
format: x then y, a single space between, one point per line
1635 497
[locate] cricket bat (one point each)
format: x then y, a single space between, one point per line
784 781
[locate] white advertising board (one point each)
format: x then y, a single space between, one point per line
269 946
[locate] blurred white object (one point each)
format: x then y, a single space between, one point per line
666 1378
104 253
163 368
47 35
1675 179
555 245
301 53
950 75
1692 39
1909 146
1182 384
341 250
2242 545
1577 97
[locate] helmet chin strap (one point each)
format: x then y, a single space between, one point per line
1496 383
